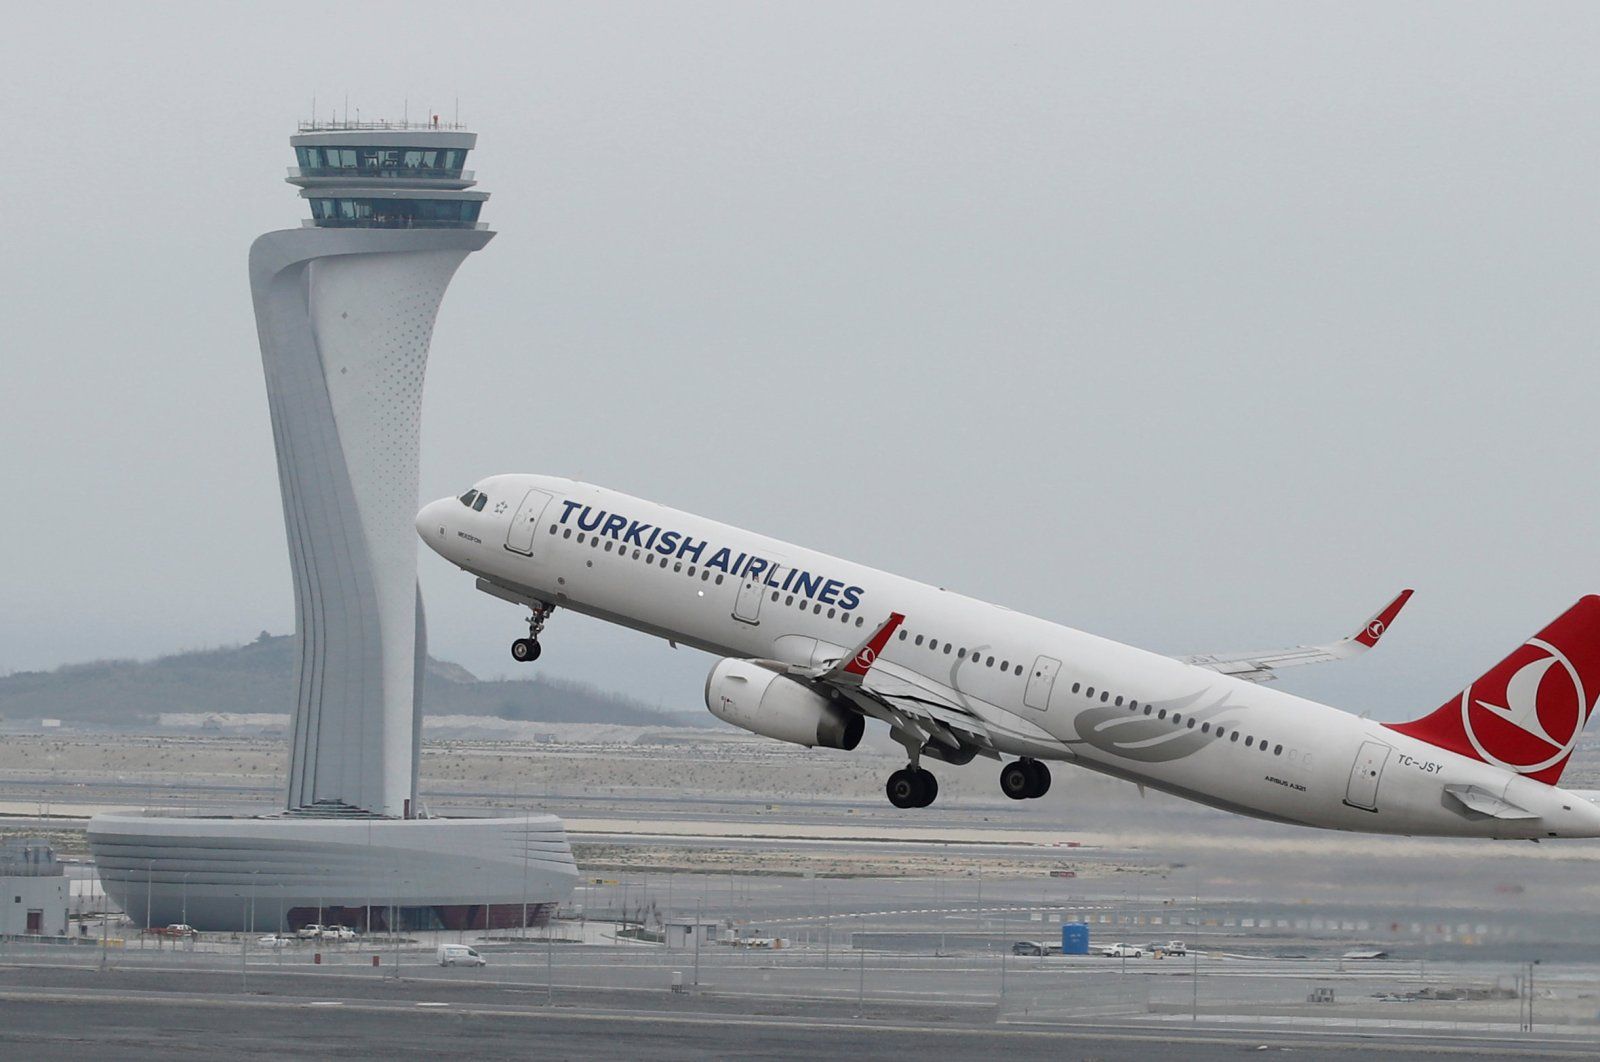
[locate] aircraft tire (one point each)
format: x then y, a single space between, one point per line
1016 780
1041 779
903 789
525 650
928 787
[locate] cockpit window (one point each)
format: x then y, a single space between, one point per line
483 499
466 499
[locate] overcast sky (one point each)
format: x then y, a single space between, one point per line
1201 327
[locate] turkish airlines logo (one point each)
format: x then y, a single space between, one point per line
1375 629
1533 721
865 658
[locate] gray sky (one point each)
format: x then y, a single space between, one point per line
1201 327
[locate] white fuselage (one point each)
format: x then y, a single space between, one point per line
1041 690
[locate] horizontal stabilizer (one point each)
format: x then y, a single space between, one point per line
1486 803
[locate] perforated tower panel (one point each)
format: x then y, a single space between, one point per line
345 309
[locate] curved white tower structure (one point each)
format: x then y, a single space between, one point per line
345 307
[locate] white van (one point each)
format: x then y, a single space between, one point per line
460 955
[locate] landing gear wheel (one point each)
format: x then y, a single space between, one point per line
903 788
1017 779
525 650
1041 778
930 788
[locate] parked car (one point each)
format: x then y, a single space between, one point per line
1176 947
311 932
176 929
338 933
460 955
1029 947
1120 950
273 940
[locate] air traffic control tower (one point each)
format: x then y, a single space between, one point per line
345 307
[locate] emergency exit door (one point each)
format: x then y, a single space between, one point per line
1040 682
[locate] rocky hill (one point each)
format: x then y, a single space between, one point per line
259 678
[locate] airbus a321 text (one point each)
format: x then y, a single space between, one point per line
811 646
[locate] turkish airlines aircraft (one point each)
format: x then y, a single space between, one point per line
811 646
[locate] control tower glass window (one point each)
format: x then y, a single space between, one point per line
381 161
395 213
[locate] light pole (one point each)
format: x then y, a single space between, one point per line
149 868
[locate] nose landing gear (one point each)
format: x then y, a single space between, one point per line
527 650
1024 779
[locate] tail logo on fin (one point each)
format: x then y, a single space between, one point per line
1533 722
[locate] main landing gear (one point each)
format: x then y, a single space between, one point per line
912 787
1024 779
526 650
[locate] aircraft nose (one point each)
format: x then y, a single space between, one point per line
430 523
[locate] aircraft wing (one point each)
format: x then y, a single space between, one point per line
1261 665
903 705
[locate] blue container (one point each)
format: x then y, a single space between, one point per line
1075 938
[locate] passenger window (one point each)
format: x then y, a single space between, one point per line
1177 718
1205 728
1234 736
989 662
1104 696
567 533
1277 750
580 538
774 595
1249 741
1133 706
919 639
719 580
830 613
1190 724
902 634
1147 709
1089 693
608 546
859 622
678 567
1005 665
961 654
1161 714
635 554
946 648
1118 701
933 643
691 575
816 610
1019 669
663 562
552 529
790 601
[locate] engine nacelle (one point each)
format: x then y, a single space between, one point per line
764 702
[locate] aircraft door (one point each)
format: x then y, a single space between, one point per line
1040 682
525 524
1365 774
747 606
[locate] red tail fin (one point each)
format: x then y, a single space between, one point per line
1526 714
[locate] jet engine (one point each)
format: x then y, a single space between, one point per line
764 702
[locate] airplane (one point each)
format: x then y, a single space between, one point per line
810 647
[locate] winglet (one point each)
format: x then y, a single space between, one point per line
1369 635
867 653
